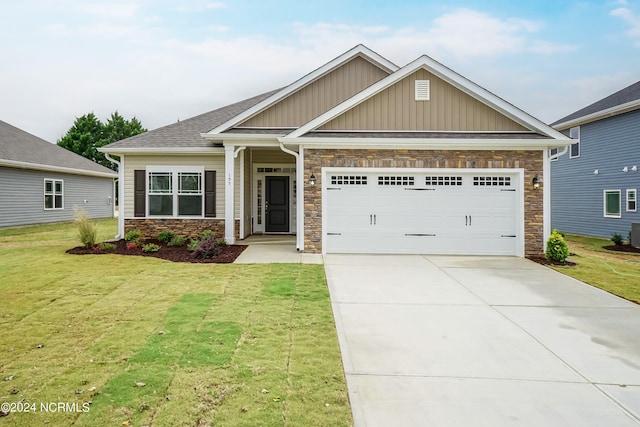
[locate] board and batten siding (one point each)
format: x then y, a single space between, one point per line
22 197
320 95
577 205
449 109
209 162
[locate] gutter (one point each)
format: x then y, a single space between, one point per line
120 165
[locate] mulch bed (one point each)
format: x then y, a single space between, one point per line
227 254
623 248
540 259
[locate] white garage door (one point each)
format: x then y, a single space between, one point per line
455 212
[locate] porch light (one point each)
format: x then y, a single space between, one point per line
535 182
312 180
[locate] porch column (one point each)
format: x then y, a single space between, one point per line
229 197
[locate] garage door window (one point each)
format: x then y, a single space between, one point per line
348 180
492 181
443 180
612 204
396 180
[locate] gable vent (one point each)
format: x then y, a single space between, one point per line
422 90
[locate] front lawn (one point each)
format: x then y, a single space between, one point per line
152 342
615 272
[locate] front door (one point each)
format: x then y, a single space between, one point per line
277 204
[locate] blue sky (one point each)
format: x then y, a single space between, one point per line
164 60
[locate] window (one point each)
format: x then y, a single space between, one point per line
396 180
574 133
443 180
348 180
492 181
553 152
175 193
53 194
632 204
612 204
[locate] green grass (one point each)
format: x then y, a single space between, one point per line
615 272
216 345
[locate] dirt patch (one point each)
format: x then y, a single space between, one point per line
540 259
622 248
226 255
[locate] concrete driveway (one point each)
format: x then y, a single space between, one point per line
482 341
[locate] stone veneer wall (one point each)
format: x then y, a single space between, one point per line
530 161
150 228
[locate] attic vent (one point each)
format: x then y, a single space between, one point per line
422 90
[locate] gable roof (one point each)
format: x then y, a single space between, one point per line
185 133
22 150
445 74
624 100
358 51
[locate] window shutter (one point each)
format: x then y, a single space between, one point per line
139 193
210 194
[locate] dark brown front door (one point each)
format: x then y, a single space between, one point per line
277 204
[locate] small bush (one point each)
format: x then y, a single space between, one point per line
193 245
208 248
177 241
107 247
87 232
150 247
557 249
165 236
132 245
616 238
206 234
132 236
221 242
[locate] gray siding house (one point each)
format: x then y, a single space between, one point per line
41 182
595 184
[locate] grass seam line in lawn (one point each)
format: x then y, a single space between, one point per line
617 272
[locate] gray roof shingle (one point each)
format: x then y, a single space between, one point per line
186 133
628 94
17 145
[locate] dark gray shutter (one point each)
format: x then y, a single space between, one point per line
209 194
139 193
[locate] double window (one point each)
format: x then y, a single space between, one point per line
175 192
53 194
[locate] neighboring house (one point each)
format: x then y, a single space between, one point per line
595 185
41 182
357 156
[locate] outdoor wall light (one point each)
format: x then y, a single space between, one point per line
596 172
634 168
312 180
625 169
536 182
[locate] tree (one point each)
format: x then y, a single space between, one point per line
88 134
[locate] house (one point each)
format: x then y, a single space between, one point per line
357 156
41 182
595 186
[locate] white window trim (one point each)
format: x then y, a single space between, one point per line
174 170
577 144
635 199
604 203
53 193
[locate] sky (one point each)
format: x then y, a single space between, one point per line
168 60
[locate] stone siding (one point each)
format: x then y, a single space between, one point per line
530 161
151 227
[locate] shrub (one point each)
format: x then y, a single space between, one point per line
150 247
177 241
557 249
221 242
165 236
87 232
106 247
193 245
132 236
206 234
208 248
616 238
132 245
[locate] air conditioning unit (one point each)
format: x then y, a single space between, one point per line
635 234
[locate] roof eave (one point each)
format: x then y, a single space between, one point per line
599 115
161 150
60 169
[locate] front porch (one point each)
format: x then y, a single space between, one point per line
274 248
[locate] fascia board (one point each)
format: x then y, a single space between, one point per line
447 75
359 50
162 150
242 136
427 144
59 169
599 115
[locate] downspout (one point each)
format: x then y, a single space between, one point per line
300 197
119 164
546 188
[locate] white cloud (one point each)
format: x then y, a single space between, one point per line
109 10
631 18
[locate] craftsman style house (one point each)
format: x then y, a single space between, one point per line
360 155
